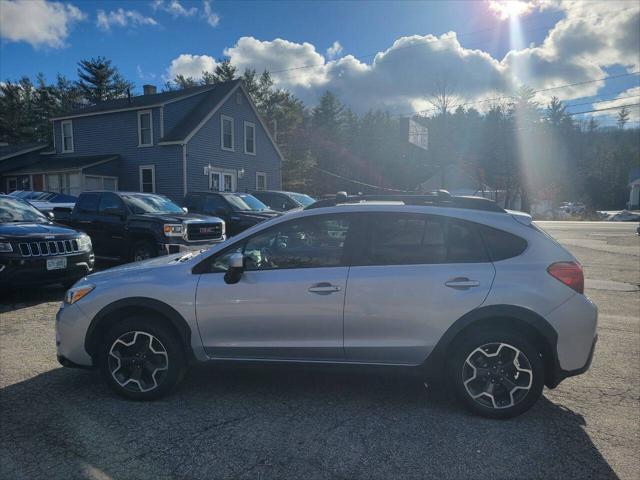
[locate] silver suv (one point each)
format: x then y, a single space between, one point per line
454 286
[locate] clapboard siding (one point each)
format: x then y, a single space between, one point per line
204 148
117 133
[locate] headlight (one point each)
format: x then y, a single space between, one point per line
173 230
76 293
84 243
5 247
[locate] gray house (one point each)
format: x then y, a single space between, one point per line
202 138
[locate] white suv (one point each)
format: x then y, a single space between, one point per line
455 286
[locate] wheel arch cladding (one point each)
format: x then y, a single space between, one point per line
509 317
128 307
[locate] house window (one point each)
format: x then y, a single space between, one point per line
148 179
12 184
145 129
96 182
226 133
249 138
261 181
67 136
225 181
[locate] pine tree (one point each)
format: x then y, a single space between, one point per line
100 81
623 117
224 72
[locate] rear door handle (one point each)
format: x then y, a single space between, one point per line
324 288
462 283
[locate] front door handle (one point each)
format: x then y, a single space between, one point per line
462 283
324 288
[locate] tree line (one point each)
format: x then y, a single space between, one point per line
523 150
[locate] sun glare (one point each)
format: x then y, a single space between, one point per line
510 8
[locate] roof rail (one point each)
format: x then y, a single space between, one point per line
437 198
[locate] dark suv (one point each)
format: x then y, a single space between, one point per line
238 210
283 201
136 226
34 250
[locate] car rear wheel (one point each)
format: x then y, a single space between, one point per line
497 374
142 359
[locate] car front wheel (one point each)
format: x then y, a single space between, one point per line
142 359
496 374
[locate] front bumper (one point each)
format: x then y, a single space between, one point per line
71 329
171 248
27 271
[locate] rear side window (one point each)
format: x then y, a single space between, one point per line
500 244
464 244
88 202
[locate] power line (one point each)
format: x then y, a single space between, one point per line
604 109
358 182
507 97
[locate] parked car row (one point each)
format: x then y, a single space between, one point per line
118 226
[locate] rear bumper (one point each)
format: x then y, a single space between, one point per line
559 374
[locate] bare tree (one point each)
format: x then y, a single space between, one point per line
623 117
442 96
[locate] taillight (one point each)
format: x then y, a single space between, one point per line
569 273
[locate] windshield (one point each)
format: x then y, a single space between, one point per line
244 202
302 199
145 203
12 210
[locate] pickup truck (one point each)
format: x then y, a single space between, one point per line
134 226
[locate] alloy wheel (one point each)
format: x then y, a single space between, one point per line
138 361
497 375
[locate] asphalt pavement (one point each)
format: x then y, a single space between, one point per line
58 423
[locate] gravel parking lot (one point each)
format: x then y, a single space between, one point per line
313 423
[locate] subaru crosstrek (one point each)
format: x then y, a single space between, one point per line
455 286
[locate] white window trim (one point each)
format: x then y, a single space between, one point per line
62 124
261 174
220 172
153 176
140 113
233 133
249 124
14 179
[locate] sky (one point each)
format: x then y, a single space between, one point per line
372 54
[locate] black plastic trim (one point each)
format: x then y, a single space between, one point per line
144 303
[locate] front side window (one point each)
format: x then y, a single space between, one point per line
147 179
145 129
67 136
305 243
226 132
249 138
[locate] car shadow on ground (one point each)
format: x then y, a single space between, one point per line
226 422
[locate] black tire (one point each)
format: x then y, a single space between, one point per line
143 250
150 386
509 398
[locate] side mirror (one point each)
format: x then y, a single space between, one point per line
236 267
185 209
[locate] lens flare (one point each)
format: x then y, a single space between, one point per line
510 8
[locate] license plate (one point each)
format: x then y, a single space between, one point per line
56 263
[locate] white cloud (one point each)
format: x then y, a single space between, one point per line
122 18
630 96
212 18
334 50
190 66
580 48
38 22
174 7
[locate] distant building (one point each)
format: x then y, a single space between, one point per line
634 193
208 137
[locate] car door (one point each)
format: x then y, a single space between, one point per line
288 304
415 276
112 223
84 218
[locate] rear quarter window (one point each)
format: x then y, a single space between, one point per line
502 245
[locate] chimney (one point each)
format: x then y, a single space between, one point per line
149 89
